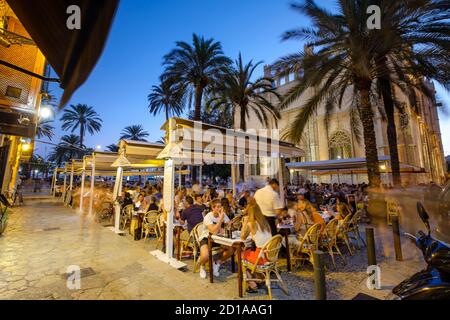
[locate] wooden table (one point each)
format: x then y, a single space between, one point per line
238 244
285 230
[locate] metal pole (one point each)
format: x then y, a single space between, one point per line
233 179
371 253
83 176
70 186
64 186
117 191
397 240
91 196
281 180
320 287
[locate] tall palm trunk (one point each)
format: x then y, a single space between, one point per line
81 135
167 112
198 102
197 117
243 127
386 91
370 140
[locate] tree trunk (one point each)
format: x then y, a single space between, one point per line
370 140
386 91
81 135
198 103
197 117
243 127
167 112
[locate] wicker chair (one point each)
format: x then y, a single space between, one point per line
270 253
353 229
308 244
126 215
149 224
343 233
188 243
329 240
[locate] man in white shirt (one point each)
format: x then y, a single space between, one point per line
213 223
268 200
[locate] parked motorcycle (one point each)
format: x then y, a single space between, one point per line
433 283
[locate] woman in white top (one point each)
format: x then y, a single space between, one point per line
255 224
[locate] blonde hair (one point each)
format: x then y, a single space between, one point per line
255 215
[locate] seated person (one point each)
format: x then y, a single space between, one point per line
140 204
214 223
229 211
198 200
342 208
127 200
255 225
242 203
309 213
193 214
153 204
231 200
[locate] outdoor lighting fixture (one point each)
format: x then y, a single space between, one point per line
99 147
45 112
383 167
26 147
292 171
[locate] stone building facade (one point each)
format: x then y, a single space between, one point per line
418 134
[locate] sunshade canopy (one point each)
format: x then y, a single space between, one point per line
72 53
139 155
352 163
193 142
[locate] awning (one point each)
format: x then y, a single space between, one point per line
197 143
138 155
352 163
73 54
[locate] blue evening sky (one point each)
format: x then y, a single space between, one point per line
145 30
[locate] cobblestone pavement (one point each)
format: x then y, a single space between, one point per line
43 238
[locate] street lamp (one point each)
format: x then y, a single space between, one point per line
45 112
99 147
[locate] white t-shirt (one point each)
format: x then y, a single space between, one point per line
269 201
210 219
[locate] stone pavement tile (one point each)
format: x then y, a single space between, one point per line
125 269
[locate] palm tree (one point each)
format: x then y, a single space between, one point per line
237 91
113 147
83 117
45 129
134 132
67 149
168 97
414 41
343 61
195 67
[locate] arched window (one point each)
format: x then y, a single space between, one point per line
340 145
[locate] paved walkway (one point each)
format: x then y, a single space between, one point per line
44 238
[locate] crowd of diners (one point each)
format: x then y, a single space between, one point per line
260 211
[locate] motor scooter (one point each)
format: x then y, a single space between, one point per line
433 283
